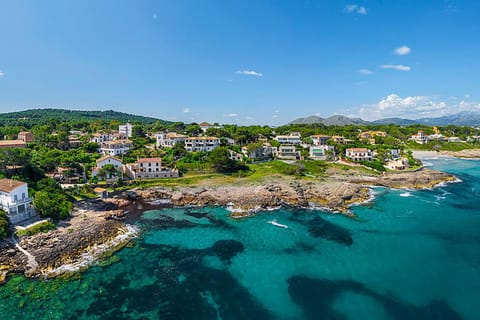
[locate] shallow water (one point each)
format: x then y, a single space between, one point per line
409 255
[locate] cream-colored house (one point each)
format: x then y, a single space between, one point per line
149 168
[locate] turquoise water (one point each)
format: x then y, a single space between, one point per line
409 255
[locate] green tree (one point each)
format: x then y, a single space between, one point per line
53 205
221 162
4 226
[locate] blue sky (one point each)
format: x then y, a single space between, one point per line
242 61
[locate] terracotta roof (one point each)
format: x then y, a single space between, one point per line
204 124
8 185
99 190
358 150
175 135
203 138
143 160
12 143
320 136
107 157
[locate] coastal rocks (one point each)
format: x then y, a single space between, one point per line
420 179
467 153
245 200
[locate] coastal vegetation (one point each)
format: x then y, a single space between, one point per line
4 225
44 226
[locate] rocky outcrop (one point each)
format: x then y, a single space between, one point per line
420 179
467 153
248 199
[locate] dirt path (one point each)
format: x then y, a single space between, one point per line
31 261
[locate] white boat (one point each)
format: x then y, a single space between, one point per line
276 224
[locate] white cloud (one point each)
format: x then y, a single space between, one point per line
365 71
353 8
2 73
362 10
249 73
275 116
231 115
154 16
414 107
467 96
399 67
186 110
402 51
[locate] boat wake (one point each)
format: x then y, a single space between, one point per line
276 224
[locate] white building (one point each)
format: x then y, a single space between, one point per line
287 153
292 138
322 152
320 139
193 144
149 168
232 155
168 140
262 152
419 137
117 163
115 147
125 129
398 164
204 126
14 200
359 154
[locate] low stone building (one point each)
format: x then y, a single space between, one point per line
26 136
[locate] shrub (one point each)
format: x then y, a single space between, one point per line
40 227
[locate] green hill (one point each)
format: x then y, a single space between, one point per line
31 117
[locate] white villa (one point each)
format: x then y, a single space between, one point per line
193 144
14 200
359 154
117 163
149 168
263 152
292 138
287 153
320 139
125 129
169 139
322 152
115 147
419 137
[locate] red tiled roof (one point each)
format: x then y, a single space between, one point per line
144 160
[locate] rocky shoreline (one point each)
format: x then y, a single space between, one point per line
100 227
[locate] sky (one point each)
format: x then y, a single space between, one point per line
242 61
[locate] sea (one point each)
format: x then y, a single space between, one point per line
409 254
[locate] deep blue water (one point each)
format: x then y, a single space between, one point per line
409 255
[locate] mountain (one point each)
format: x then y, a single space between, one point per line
397 121
36 116
307 120
464 118
336 120
339 120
